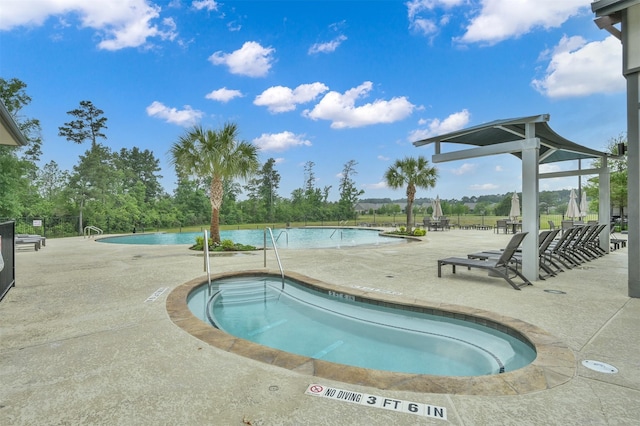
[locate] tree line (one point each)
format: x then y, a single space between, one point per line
120 190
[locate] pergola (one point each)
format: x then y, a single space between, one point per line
534 142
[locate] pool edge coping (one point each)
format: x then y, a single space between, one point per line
554 365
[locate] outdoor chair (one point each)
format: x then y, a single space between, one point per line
561 250
501 224
552 225
505 266
592 242
544 240
566 224
616 242
35 240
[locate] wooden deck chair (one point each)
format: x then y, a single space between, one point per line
502 267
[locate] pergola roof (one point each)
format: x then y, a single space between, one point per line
10 134
553 147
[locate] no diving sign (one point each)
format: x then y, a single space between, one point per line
378 401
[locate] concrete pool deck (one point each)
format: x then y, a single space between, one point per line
85 338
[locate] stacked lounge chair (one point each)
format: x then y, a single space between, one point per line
36 241
545 238
573 247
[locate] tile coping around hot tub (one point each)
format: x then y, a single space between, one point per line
554 365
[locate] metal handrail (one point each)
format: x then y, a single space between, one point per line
275 250
89 228
334 231
284 231
207 263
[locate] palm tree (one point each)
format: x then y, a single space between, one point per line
414 173
215 154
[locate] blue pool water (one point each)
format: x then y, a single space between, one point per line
285 238
334 327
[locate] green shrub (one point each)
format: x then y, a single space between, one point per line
419 232
225 245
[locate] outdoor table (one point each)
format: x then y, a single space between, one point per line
514 225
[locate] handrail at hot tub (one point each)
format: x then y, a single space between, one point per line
275 250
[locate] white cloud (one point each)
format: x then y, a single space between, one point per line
499 168
340 109
464 169
483 187
125 23
327 47
282 99
209 5
251 59
280 141
428 25
502 19
379 185
224 95
578 68
185 117
383 158
453 122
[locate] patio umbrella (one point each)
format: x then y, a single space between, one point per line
437 209
515 207
583 205
572 208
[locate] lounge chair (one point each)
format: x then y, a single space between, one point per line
560 250
616 242
36 240
545 238
503 267
43 240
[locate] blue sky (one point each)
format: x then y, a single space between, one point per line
321 81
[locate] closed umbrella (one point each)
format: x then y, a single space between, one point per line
515 207
583 205
437 209
572 208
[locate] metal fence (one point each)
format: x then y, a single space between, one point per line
50 227
7 258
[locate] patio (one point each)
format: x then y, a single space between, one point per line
86 338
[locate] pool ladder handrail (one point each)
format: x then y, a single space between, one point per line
275 250
207 263
284 231
89 228
336 230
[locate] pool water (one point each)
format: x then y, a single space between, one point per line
295 238
337 328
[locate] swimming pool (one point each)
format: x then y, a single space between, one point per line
295 238
343 329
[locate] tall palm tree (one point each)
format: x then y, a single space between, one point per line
216 154
414 173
